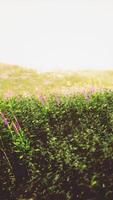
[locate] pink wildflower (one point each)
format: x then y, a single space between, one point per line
6 123
93 89
8 94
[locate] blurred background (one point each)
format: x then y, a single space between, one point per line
70 41
55 35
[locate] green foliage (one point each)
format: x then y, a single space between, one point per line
63 148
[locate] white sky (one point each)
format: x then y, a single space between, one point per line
57 34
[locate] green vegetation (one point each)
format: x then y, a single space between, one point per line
58 148
56 135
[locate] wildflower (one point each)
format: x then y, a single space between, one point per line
8 94
6 123
93 89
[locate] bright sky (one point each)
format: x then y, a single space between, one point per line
57 34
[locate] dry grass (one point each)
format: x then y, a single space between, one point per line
15 80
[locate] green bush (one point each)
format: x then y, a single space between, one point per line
59 148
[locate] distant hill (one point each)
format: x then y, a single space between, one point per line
16 80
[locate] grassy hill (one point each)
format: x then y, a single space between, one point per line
16 80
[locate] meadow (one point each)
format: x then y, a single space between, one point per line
15 80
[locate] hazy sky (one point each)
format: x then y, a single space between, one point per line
57 34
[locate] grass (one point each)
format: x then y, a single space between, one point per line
16 80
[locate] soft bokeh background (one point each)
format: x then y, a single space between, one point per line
15 80
57 34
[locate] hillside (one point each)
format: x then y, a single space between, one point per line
16 80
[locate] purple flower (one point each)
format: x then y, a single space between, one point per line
93 89
6 123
